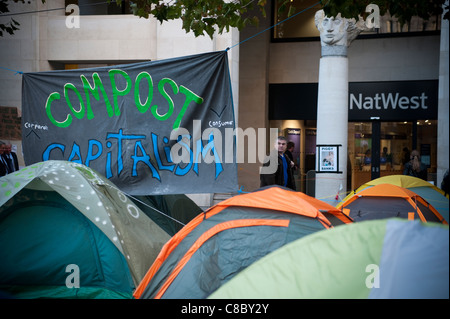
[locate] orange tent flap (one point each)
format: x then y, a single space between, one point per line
169 247
433 210
387 190
402 181
276 198
346 211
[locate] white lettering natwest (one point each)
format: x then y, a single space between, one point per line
388 101
357 102
423 97
403 103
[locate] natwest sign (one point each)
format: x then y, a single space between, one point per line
385 101
388 101
393 101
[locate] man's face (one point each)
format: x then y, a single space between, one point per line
333 31
280 145
2 148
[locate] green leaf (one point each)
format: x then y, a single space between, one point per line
291 11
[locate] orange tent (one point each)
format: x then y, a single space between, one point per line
387 200
231 235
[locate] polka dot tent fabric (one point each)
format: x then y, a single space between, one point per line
133 233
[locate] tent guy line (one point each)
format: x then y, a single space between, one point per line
156 210
273 26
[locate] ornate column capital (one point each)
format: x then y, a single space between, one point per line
336 33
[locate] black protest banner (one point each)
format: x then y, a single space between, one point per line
152 128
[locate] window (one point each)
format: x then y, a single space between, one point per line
396 140
302 27
100 7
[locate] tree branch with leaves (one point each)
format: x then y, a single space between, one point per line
10 26
208 16
200 16
403 10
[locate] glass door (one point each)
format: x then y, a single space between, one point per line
378 149
427 147
359 162
396 145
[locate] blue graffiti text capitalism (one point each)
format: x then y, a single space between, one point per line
158 162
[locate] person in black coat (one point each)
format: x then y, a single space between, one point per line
445 184
3 166
283 175
10 158
415 167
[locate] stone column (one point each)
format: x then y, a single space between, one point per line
336 34
443 109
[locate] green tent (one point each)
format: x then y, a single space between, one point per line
68 232
379 259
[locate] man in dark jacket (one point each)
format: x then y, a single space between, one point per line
445 184
283 175
3 165
10 158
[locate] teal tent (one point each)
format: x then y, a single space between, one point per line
68 232
386 259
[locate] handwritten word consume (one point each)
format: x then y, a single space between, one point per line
143 100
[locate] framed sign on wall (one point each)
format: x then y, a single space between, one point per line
328 158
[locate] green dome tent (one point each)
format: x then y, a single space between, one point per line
386 259
68 232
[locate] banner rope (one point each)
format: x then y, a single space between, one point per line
17 72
